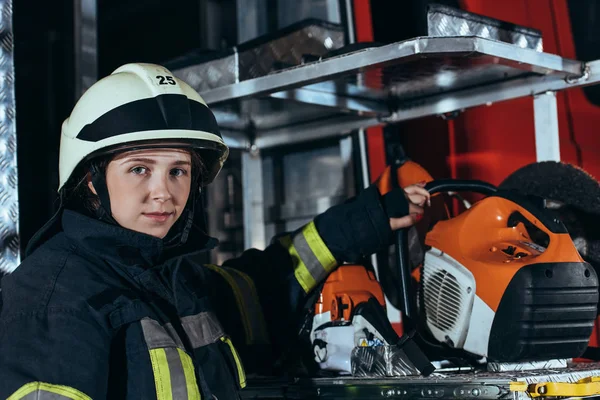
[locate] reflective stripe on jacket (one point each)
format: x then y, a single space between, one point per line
99 311
96 313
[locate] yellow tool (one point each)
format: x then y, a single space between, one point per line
589 386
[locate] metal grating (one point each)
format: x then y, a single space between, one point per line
9 200
443 300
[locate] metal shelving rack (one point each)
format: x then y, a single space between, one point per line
399 81
382 85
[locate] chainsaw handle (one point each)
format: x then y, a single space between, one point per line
404 273
402 259
460 185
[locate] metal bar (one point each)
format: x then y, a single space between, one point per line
251 19
252 187
86 44
349 12
433 105
346 152
364 162
545 113
332 99
9 195
489 94
235 139
278 187
314 130
526 59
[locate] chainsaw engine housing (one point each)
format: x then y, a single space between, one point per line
504 280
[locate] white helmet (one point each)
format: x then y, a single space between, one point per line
140 106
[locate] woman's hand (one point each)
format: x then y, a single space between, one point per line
417 197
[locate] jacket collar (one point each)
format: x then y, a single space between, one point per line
124 246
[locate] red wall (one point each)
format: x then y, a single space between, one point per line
489 143
496 140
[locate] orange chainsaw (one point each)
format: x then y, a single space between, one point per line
502 280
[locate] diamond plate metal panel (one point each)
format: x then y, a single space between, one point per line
9 201
289 50
212 74
381 361
471 61
255 60
447 21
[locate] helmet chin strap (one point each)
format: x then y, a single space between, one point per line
103 212
180 232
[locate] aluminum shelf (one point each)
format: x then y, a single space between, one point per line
403 80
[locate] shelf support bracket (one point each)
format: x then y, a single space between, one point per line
547 140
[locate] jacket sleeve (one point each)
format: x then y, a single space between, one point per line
53 354
295 263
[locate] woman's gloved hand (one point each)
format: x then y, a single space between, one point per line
364 224
415 196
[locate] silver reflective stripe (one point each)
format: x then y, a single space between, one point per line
171 331
157 336
43 395
313 265
202 328
178 383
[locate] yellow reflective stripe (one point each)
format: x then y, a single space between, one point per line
302 274
162 376
238 362
190 376
238 297
41 388
318 247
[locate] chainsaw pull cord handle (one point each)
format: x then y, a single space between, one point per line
401 235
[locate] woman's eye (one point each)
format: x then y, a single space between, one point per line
178 172
138 170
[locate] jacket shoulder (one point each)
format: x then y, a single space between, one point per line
53 276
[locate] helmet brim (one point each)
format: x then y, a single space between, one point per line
213 154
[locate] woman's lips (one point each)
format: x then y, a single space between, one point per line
158 217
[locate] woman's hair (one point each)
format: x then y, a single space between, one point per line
77 193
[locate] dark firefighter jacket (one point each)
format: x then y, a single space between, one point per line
100 312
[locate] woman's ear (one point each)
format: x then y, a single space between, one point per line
88 179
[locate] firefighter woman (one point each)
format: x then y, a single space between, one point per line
114 299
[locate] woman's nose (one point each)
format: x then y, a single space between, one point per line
159 188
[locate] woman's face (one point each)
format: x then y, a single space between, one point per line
149 188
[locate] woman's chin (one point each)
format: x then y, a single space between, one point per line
156 231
